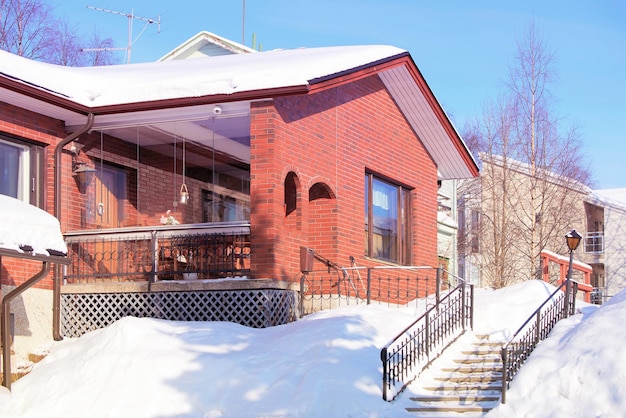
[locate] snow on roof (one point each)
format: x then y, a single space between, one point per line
613 199
618 195
24 225
228 74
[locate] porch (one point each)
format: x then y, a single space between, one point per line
156 253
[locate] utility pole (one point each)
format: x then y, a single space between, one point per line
131 17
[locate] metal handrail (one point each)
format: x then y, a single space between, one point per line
515 353
426 338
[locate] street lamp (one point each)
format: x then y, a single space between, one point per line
573 240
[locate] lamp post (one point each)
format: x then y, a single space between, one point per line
573 240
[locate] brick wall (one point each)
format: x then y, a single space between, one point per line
47 132
324 141
331 138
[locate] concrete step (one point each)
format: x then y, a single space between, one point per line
467 381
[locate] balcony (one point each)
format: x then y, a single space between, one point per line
594 243
157 253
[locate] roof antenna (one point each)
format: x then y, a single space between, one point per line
131 16
243 22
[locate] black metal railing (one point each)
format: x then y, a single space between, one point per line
337 286
536 329
412 350
197 251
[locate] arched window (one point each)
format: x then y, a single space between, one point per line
320 191
291 193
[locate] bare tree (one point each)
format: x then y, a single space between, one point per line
29 28
533 172
66 46
24 28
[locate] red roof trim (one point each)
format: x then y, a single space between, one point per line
357 73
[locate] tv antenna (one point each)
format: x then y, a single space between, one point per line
131 17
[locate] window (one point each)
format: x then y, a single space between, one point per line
20 170
387 226
223 208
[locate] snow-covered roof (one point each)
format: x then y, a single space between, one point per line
25 227
222 75
116 94
614 198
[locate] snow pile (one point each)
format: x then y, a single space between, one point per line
578 372
326 365
26 225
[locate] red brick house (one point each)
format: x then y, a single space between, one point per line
335 149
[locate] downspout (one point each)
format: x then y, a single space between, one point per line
57 163
56 289
5 325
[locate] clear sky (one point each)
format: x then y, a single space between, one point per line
463 48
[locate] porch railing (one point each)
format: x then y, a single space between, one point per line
536 329
413 349
392 285
189 251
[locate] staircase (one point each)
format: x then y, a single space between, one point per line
467 381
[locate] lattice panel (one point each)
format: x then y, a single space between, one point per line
84 312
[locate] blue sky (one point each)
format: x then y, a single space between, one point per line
463 48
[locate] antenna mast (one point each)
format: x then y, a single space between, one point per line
243 22
131 16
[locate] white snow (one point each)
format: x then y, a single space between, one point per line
325 365
130 83
25 224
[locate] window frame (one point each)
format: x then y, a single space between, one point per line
402 242
31 170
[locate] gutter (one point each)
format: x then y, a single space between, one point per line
6 311
56 288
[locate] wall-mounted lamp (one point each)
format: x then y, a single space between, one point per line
83 174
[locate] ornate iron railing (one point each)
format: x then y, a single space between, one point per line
187 251
517 350
412 350
392 285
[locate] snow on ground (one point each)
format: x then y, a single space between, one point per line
325 365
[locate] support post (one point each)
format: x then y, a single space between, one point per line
568 285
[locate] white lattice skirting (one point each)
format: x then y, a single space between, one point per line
258 308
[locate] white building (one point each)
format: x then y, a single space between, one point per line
605 240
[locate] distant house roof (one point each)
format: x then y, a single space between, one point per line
205 44
70 94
